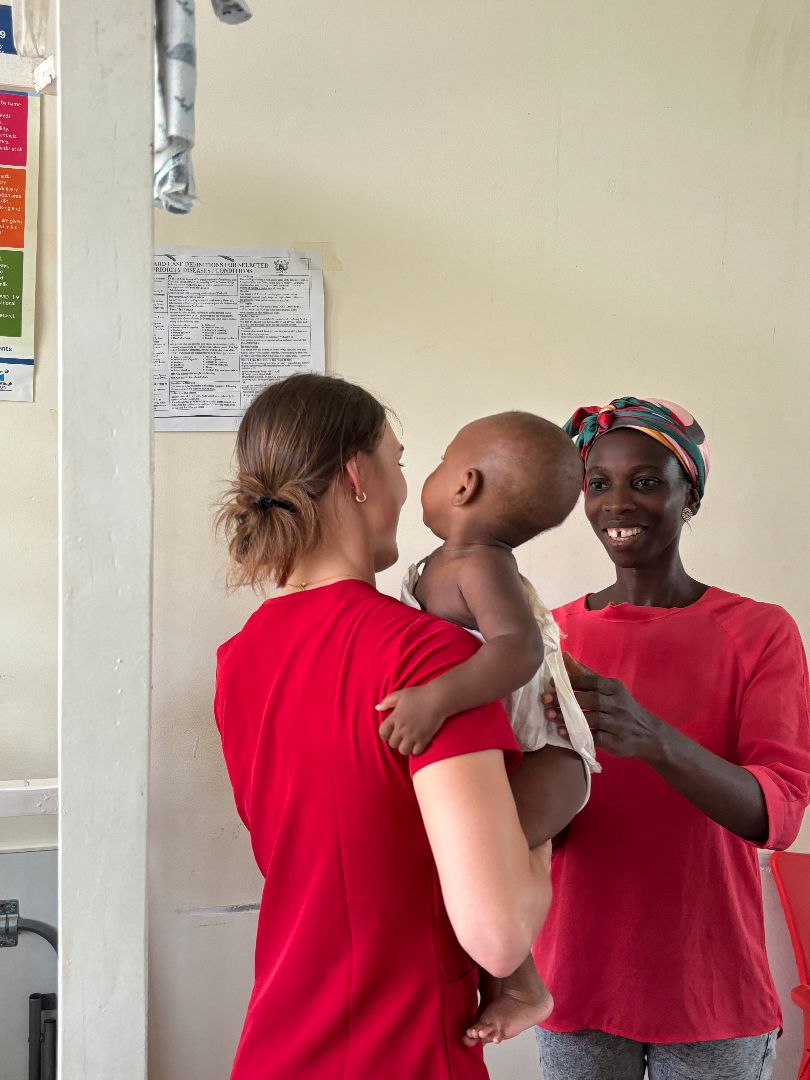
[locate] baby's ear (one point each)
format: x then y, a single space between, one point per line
469 486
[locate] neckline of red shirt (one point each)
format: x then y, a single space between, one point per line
319 589
626 612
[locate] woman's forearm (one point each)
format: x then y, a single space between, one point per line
727 793
495 889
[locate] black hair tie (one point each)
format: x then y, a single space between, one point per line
266 503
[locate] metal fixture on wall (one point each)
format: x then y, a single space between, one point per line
11 926
42 1037
41 1028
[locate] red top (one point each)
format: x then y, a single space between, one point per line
358 972
656 930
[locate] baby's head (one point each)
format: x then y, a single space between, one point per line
506 478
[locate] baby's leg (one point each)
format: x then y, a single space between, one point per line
509 1006
549 787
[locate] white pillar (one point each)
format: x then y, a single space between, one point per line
104 87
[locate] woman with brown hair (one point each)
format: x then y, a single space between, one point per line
385 876
698 701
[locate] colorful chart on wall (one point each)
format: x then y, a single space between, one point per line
227 322
19 176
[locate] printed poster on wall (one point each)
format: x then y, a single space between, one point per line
228 321
19 176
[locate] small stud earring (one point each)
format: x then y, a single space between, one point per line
686 515
360 499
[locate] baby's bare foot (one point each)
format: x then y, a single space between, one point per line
516 1008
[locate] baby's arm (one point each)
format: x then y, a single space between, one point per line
490 585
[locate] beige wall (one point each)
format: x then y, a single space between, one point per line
524 205
28 521
28 536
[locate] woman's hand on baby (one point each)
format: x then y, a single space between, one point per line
415 717
619 724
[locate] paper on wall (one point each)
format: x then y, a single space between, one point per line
19 178
227 322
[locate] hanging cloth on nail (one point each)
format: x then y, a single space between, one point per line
175 91
30 21
231 11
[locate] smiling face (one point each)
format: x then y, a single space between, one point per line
635 495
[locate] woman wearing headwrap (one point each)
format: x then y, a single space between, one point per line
698 700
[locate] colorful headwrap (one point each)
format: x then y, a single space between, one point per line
663 421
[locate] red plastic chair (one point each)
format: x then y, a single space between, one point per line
791 872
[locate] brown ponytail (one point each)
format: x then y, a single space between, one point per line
294 439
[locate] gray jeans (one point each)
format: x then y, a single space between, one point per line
595 1055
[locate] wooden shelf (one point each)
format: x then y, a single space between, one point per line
28 75
26 798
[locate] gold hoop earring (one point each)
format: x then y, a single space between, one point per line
359 499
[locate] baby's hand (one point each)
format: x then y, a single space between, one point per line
415 718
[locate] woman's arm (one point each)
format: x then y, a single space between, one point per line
495 889
492 590
729 794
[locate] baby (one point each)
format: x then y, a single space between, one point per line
502 480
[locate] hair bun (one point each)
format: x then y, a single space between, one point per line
266 502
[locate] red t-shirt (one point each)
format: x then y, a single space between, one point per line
656 927
358 972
